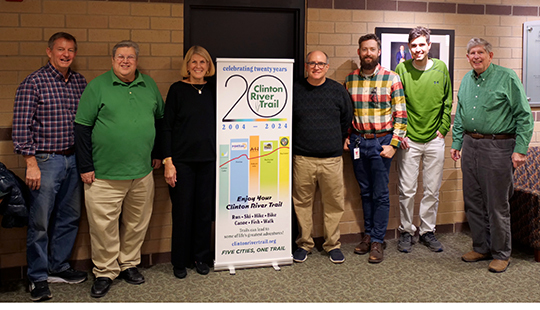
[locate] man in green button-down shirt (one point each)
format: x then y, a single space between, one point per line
494 125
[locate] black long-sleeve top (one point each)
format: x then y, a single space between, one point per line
188 131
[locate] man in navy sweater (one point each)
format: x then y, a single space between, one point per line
322 114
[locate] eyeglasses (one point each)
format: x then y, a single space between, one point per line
121 58
319 65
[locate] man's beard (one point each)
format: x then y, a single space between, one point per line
371 65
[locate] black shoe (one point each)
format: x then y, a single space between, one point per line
39 291
101 287
70 276
180 273
202 268
132 276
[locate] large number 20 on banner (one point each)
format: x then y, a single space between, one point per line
253 198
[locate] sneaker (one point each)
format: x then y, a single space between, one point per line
429 240
336 256
69 275
39 291
300 255
405 242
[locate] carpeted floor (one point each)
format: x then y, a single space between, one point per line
420 276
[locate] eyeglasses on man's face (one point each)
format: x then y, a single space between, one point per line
313 64
121 58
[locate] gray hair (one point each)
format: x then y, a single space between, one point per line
479 42
325 55
126 43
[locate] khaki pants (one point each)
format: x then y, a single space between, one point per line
118 213
431 155
328 174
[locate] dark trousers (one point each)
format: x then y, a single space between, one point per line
487 187
372 173
193 206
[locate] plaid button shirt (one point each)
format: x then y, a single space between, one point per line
379 103
44 110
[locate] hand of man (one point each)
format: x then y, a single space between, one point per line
156 163
388 151
518 159
456 155
33 174
88 177
404 143
440 135
346 144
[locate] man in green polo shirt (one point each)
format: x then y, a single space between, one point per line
428 92
493 125
115 132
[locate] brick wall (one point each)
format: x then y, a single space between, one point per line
157 25
334 26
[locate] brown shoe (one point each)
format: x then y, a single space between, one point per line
364 245
498 265
472 256
376 255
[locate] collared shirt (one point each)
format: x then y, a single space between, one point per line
493 103
379 103
122 117
44 110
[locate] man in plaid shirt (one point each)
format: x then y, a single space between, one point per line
44 110
378 127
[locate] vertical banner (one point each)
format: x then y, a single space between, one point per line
253 201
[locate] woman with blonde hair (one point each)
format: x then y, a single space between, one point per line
189 151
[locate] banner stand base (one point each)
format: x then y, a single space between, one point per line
275 263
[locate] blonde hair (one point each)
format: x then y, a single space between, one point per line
201 51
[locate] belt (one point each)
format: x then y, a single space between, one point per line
67 152
374 135
476 135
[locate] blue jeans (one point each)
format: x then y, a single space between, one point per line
372 173
54 216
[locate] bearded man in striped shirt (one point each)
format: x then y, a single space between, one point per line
378 127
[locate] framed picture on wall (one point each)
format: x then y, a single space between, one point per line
394 47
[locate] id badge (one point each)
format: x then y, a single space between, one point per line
356 153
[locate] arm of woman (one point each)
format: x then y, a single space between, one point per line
169 171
